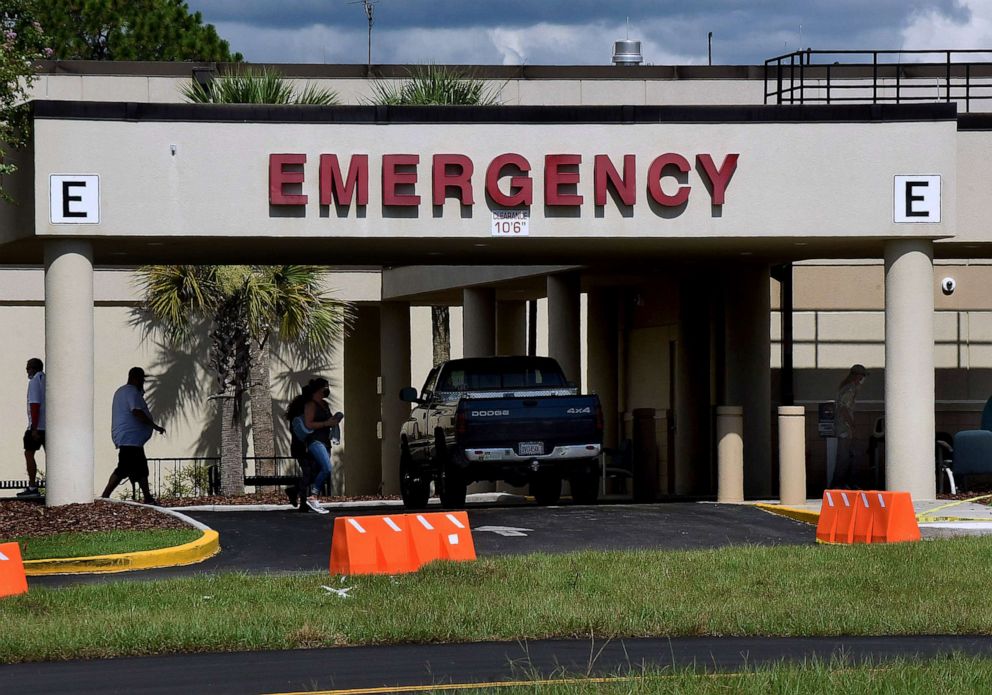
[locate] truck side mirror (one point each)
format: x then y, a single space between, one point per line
408 394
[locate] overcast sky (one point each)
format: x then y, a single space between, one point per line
575 32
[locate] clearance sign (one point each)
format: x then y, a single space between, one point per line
508 181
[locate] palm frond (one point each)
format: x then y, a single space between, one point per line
256 86
177 296
436 85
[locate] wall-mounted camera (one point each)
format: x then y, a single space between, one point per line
948 285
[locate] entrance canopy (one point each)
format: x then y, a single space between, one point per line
405 185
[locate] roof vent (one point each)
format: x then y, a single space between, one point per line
627 52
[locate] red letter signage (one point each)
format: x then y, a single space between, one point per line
279 177
462 180
605 174
339 190
393 179
554 178
719 178
657 170
521 187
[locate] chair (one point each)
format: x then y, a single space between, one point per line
972 454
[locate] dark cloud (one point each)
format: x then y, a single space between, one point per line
744 32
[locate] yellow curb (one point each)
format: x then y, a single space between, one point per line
804 515
190 553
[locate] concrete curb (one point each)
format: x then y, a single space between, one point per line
199 550
206 546
804 515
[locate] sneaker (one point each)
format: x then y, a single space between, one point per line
152 502
29 492
315 506
291 494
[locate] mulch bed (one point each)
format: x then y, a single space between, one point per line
19 518
33 518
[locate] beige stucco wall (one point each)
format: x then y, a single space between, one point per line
178 384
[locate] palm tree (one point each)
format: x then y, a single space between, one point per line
243 305
247 86
256 86
436 85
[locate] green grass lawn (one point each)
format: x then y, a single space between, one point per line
100 542
935 587
955 674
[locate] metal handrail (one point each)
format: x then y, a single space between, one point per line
199 476
818 80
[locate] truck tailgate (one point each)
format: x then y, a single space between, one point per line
512 422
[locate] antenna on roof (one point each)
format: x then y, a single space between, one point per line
369 7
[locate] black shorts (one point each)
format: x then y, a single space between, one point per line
32 444
131 463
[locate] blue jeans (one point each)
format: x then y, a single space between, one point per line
322 457
317 451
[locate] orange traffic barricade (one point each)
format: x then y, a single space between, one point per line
399 543
869 516
371 545
12 578
441 536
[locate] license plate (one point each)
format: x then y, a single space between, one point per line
531 448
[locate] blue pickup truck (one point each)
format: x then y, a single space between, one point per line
515 419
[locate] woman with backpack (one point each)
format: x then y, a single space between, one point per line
313 426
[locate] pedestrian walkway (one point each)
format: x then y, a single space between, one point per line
937 518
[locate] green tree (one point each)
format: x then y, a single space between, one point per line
22 43
242 305
437 85
130 30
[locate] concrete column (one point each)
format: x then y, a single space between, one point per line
692 391
511 327
748 370
563 324
362 455
909 368
792 454
730 453
478 322
69 372
603 359
394 359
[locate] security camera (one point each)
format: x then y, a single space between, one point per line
948 285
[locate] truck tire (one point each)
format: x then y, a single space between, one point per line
414 489
585 487
451 485
546 489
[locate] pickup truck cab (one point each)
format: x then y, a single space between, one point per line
514 419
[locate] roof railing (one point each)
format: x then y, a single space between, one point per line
880 77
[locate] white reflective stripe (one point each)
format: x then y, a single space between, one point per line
358 526
881 500
830 499
453 539
864 498
3 557
424 523
392 524
453 519
846 502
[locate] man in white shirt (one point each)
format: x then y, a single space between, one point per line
34 436
131 425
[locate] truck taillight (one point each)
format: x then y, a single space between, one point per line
599 418
460 424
